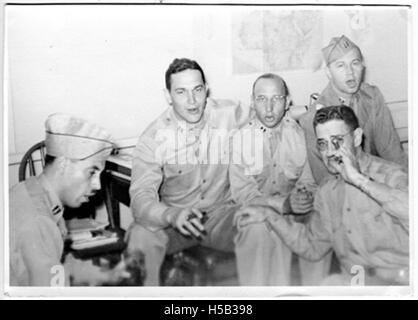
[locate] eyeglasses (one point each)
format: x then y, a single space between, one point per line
336 141
275 99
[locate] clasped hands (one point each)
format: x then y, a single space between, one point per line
299 201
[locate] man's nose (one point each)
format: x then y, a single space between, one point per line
191 98
95 183
331 150
270 105
349 70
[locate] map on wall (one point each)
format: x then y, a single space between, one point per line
276 41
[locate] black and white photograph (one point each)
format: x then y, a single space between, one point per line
236 149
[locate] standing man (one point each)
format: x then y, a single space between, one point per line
345 70
76 151
180 172
284 180
360 211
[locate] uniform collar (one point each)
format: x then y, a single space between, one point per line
185 127
55 205
330 94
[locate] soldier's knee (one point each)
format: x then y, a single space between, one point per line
254 233
140 238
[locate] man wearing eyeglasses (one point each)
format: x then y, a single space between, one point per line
283 180
360 211
345 70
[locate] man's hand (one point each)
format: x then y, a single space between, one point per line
300 200
252 214
348 166
188 222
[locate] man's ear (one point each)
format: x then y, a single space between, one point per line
168 96
289 102
252 101
358 137
207 88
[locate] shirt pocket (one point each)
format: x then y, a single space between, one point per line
178 176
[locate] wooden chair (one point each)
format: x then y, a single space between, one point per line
29 161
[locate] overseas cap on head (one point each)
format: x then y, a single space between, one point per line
338 47
75 138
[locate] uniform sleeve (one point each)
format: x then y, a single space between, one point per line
387 140
306 179
147 176
41 249
392 194
311 240
296 160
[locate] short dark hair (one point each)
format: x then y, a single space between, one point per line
179 65
339 112
49 160
274 77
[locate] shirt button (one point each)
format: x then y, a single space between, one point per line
204 181
348 209
349 231
275 165
180 171
202 198
274 182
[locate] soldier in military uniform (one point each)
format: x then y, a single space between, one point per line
76 151
283 180
345 70
180 172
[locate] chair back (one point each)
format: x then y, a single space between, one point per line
29 166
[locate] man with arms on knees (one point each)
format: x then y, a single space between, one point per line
75 155
360 211
283 179
345 70
176 181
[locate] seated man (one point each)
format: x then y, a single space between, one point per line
180 173
360 211
345 70
75 155
281 179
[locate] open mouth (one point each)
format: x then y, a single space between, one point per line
193 110
351 83
86 198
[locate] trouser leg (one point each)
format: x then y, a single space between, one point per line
153 245
313 273
220 229
262 257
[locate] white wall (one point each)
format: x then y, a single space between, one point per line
107 63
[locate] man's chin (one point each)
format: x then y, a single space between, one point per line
352 90
194 119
